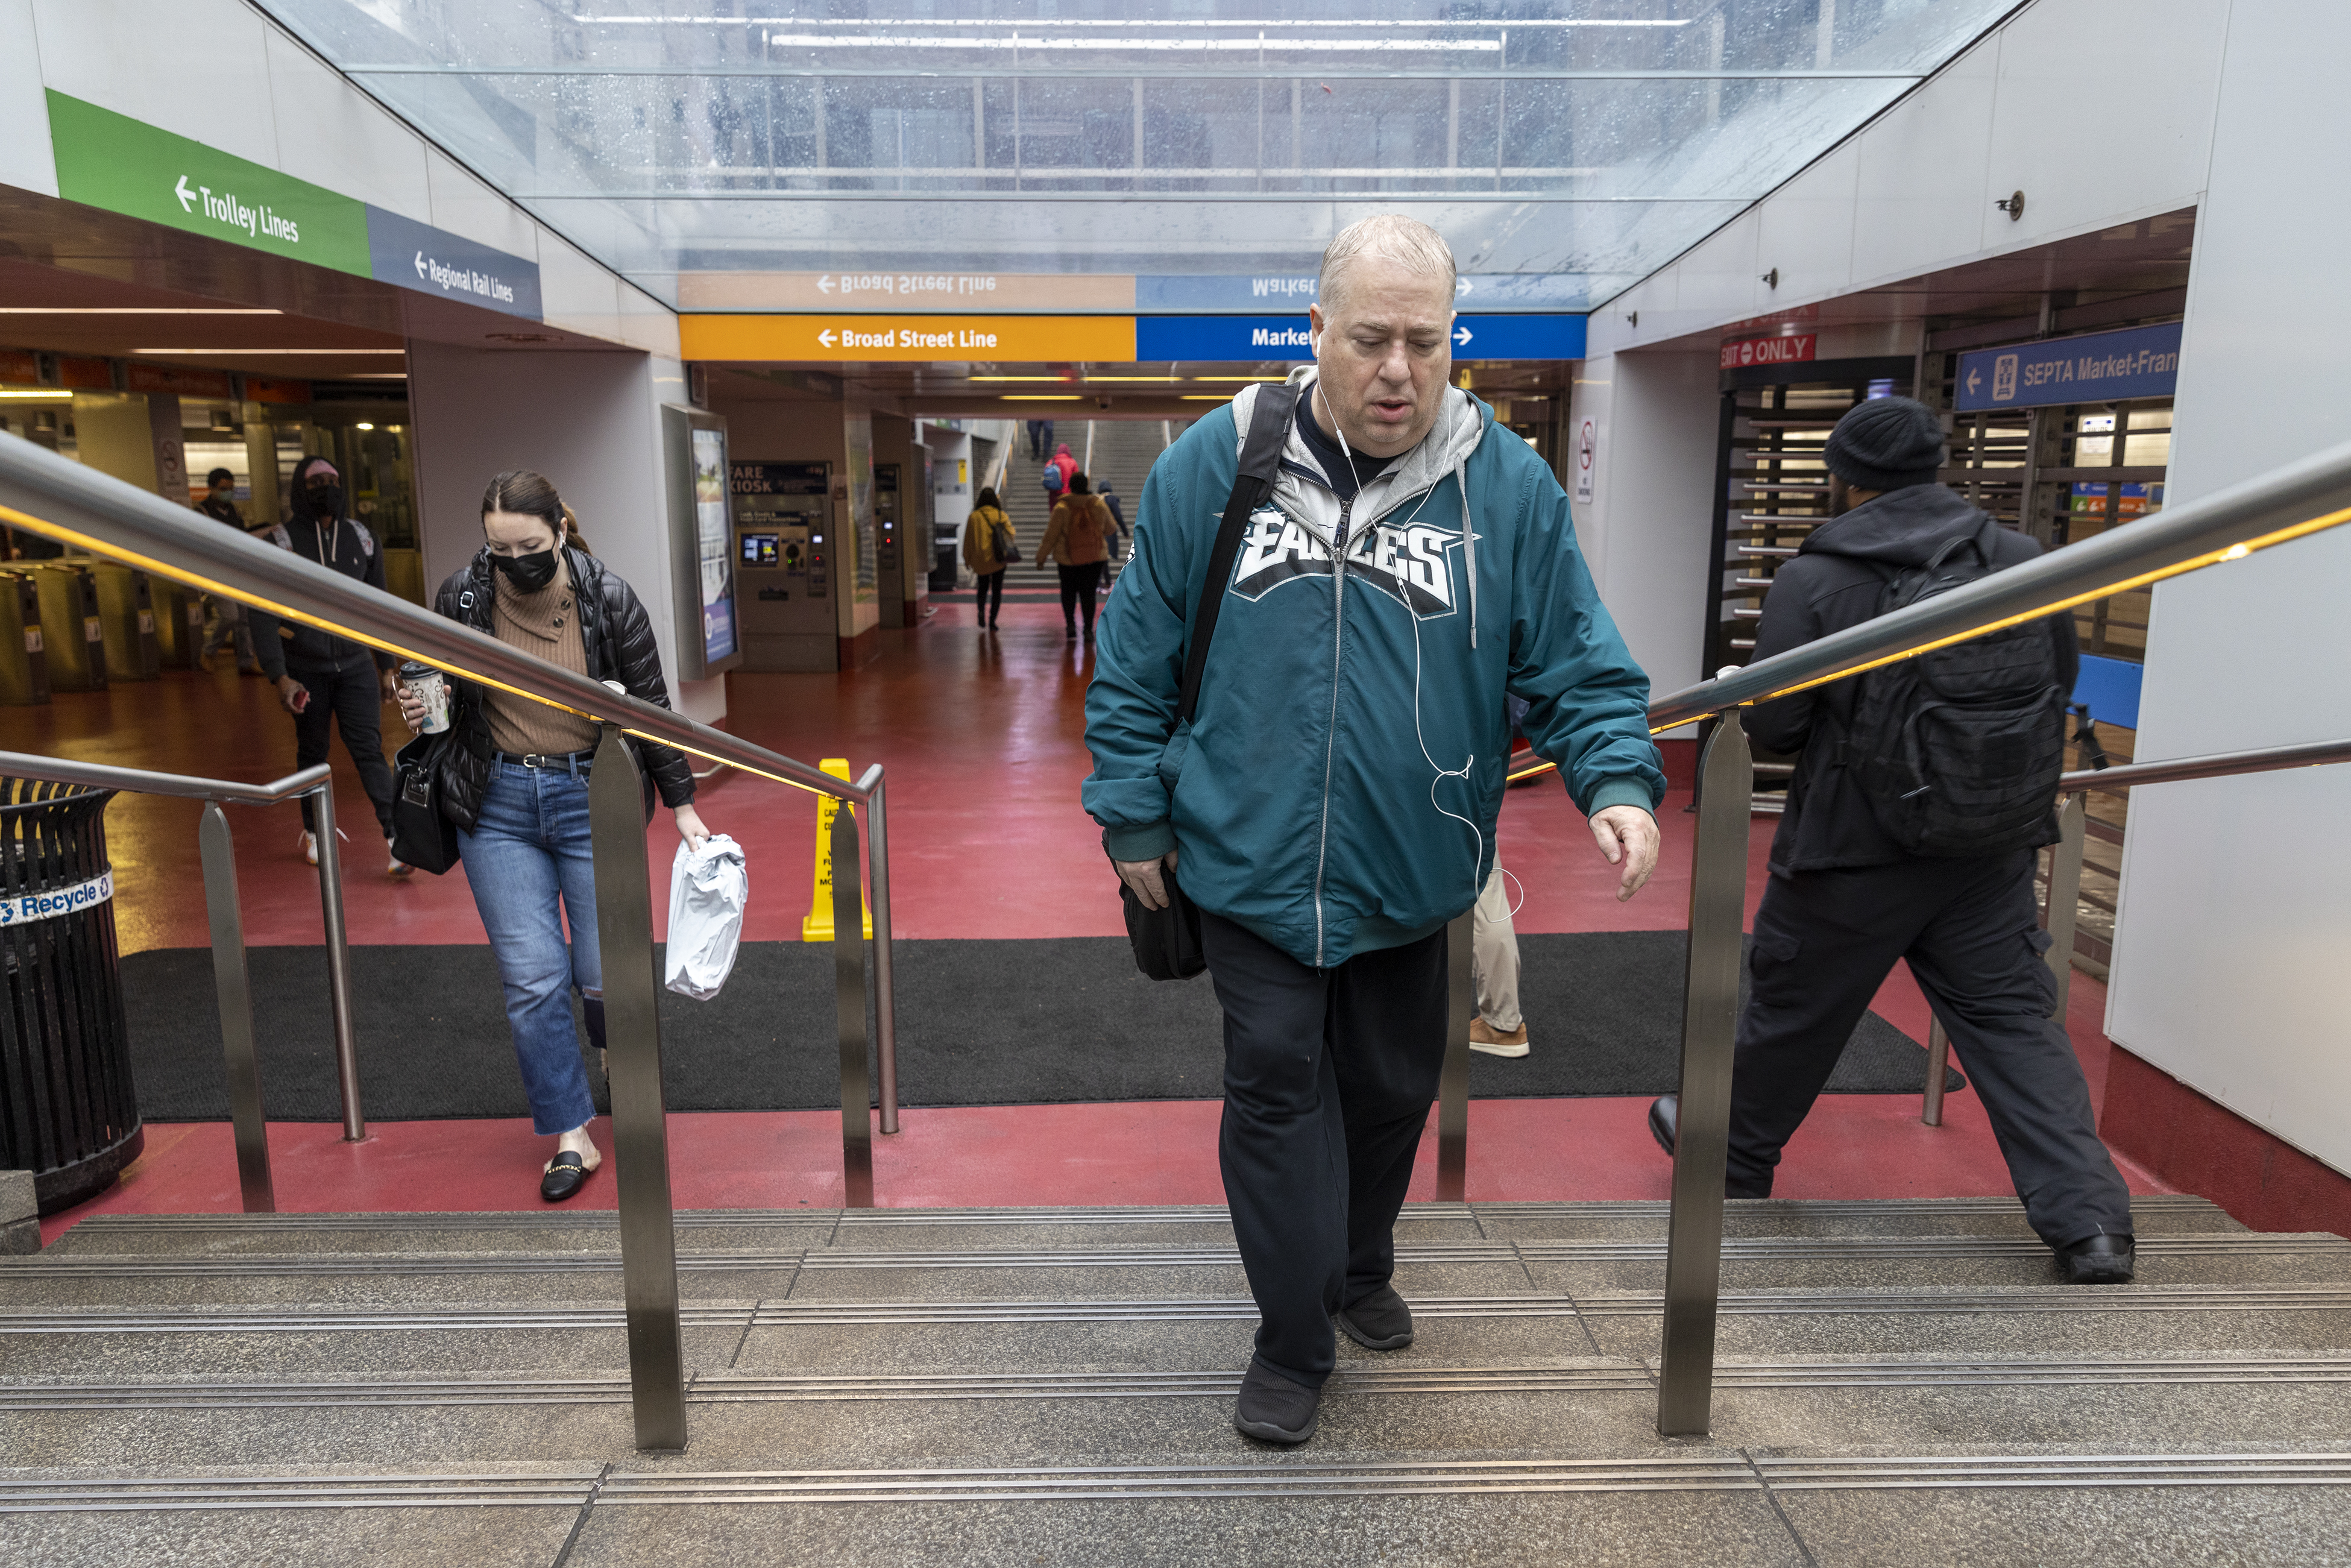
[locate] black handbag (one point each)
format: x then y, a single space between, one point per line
421 835
1166 941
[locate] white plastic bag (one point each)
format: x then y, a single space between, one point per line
707 890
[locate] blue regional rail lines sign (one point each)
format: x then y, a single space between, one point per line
2100 367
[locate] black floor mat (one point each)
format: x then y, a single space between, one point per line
979 1023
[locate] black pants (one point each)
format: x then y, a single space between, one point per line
1825 940
1329 1074
349 693
990 583
1078 586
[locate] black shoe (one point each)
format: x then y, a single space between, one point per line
2100 1260
1379 1321
1665 1122
567 1176
1272 1409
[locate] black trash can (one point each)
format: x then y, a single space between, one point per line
67 1111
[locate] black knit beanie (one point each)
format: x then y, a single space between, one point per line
1886 444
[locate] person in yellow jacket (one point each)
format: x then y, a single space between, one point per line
989 548
1077 539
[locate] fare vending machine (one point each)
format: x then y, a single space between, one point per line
783 556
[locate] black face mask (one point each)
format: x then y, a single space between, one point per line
528 573
326 501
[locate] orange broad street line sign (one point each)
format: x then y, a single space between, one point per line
844 339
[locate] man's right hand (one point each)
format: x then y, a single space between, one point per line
293 694
1145 878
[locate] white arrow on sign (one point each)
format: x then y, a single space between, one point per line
419 264
825 283
825 337
1460 288
1461 337
1975 379
187 197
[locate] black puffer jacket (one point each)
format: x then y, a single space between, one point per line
620 643
1833 583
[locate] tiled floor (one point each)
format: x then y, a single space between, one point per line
982 739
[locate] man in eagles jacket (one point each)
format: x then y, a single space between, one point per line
320 676
1331 804
1844 901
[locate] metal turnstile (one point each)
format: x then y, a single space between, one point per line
24 656
126 614
73 630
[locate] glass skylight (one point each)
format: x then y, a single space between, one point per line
1565 151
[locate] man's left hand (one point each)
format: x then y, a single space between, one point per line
1628 836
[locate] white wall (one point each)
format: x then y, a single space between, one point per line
591 423
1647 533
2236 902
218 72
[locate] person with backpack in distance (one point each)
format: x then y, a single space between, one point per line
319 676
1298 729
989 547
1922 793
1075 542
1067 464
514 779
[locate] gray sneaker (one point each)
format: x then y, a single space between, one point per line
1272 1409
1379 1321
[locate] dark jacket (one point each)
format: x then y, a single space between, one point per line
1833 583
345 546
620 643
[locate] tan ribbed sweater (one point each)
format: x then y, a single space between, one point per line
545 625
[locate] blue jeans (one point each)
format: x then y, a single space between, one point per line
531 848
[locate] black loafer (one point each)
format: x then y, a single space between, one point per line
1665 1121
1379 1321
1272 1409
2100 1260
567 1176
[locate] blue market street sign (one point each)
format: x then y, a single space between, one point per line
1244 293
1249 339
2098 367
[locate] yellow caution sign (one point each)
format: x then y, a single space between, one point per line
818 927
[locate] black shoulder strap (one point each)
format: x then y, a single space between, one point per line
1260 459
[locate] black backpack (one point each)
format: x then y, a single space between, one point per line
1959 751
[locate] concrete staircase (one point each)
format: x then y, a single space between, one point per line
1122 453
1899 1383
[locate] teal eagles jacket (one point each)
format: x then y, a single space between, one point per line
1336 791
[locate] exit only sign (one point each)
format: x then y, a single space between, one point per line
1780 348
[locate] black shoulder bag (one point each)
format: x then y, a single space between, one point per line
421 835
1167 940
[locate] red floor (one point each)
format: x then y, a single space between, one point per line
982 737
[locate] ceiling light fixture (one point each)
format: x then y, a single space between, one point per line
128 311
1041 397
39 394
272 352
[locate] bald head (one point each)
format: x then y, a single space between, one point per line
1407 244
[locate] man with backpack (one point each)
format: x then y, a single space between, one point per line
1921 795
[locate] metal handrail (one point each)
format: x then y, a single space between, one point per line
2298 499
59 499
2217 764
226 918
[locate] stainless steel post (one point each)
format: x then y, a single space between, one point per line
339 962
1939 1061
2065 891
1453 1083
1709 1022
235 990
624 931
849 991
885 1000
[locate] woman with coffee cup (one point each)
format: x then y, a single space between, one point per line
515 781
